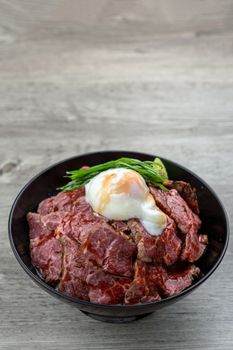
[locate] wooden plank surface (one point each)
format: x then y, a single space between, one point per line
81 76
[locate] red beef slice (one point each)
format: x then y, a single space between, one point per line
164 248
174 206
105 288
187 221
119 257
88 282
194 246
42 225
152 280
47 258
79 224
46 249
178 281
169 283
73 279
107 248
138 289
64 201
187 192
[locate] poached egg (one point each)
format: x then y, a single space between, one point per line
122 194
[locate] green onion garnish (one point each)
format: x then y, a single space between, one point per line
153 172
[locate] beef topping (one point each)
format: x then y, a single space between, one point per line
164 248
187 192
188 222
47 258
115 262
176 207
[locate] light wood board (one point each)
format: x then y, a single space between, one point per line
81 76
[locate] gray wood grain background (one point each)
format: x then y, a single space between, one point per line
85 75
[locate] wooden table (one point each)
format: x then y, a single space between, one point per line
81 76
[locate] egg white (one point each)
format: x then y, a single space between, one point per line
122 194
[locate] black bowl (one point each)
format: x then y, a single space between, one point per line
213 216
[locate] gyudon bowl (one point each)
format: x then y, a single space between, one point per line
44 185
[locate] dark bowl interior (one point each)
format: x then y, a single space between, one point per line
213 216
